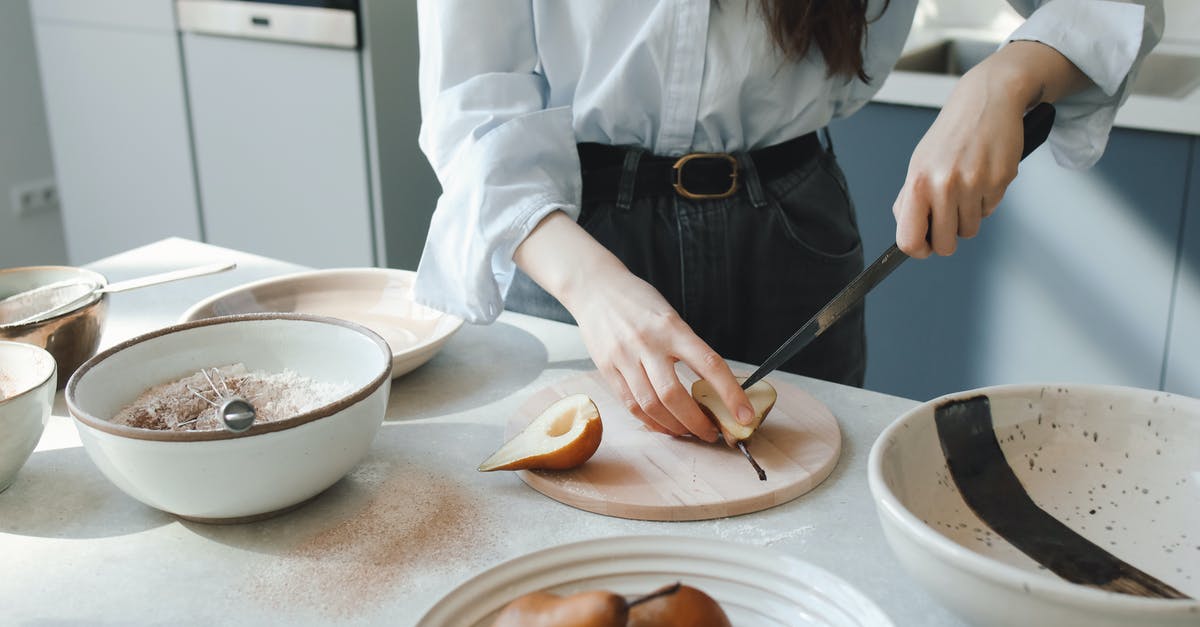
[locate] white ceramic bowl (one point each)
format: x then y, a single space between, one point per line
1119 466
378 298
27 385
221 476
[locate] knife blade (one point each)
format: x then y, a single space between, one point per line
1036 127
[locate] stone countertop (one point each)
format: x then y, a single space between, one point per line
1140 111
412 521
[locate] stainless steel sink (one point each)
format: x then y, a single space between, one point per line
1168 76
949 56
1164 75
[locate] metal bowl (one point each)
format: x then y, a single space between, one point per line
72 337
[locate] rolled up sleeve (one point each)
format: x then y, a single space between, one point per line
1107 40
504 160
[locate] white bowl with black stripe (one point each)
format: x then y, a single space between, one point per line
1099 486
219 475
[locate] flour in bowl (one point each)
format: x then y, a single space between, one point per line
275 396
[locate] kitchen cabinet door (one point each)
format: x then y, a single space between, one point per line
118 126
920 320
1070 279
281 153
1182 374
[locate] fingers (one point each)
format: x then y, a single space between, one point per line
970 214
706 363
951 207
944 224
912 222
616 381
677 401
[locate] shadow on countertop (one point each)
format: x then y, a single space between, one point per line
479 365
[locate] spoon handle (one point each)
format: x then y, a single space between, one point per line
165 277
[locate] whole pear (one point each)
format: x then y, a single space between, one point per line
594 608
686 607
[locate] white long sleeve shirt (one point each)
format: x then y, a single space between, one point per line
508 87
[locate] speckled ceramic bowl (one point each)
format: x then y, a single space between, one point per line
1118 466
222 476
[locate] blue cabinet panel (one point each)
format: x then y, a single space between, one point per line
1183 351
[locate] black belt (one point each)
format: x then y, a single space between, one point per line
695 176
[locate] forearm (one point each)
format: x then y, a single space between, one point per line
563 259
1028 72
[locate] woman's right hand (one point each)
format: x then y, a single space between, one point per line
632 333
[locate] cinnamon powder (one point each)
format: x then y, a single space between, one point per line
275 396
414 523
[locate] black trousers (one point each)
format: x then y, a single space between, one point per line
745 271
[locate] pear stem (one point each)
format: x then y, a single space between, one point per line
669 590
762 475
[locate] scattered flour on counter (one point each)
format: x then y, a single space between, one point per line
752 534
275 396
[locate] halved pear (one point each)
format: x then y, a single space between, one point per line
762 398
563 436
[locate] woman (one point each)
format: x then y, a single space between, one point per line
653 167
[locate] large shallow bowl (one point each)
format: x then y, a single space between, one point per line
71 336
26 394
380 299
753 585
221 476
1119 466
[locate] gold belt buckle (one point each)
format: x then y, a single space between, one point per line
683 191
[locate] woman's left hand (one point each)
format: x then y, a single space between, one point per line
966 160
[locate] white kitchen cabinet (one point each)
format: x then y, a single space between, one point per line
114 94
301 152
280 149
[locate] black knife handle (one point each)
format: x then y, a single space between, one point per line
1038 123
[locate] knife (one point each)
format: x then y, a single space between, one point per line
1036 128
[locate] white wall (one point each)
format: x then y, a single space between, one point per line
24 145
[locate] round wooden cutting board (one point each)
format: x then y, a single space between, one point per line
637 473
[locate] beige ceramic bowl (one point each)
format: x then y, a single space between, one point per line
1119 466
377 298
221 476
26 394
72 336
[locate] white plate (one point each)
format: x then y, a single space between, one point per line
754 586
377 298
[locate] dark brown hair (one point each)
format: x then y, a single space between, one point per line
837 27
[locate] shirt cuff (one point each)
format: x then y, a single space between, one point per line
501 188
1104 40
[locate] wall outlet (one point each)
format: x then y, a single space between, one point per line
34 196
